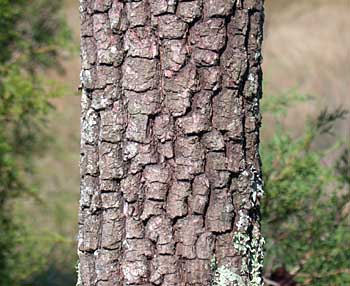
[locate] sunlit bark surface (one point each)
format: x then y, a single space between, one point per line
170 170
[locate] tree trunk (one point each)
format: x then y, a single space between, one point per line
170 169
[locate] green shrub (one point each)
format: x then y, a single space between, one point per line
306 205
31 35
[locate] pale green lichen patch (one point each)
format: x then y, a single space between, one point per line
251 247
77 268
247 240
241 243
225 276
256 258
213 264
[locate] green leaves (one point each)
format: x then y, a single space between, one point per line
325 120
278 104
32 34
305 217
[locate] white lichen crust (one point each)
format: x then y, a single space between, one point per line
225 276
248 240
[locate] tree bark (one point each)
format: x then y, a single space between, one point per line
170 169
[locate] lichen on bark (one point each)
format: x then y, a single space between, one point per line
170 169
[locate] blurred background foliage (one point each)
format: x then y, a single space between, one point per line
305 148
306 208
32 35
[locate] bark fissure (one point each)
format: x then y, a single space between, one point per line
170 169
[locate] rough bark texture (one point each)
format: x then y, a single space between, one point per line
170 170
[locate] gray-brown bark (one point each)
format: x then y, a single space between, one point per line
170 170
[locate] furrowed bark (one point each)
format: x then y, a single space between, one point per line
170 169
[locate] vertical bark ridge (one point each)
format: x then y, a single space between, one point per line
170 169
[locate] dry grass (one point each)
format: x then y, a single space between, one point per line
307 45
